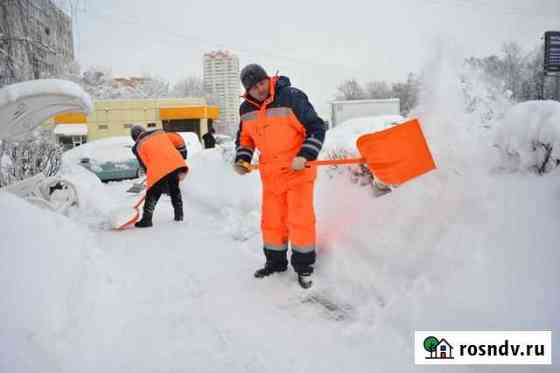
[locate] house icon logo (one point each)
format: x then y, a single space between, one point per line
438 348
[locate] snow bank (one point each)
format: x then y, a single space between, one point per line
192 142
213 186
528 137
96 201
478 248
43 260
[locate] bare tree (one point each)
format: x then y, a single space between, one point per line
350 90
378 90
191 86
407 92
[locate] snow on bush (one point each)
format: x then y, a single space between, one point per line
486 98
35 153
528 137
340 143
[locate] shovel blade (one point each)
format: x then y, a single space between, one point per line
397 154
124 217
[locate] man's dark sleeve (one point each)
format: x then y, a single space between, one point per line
135 152
315 127
244 145
183 150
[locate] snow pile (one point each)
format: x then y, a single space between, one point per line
43 265
192 142
458 240
214 187
528 137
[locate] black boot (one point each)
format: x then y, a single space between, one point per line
267 270
276 261
305 279
178 215
145 222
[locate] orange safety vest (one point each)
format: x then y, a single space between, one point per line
158 151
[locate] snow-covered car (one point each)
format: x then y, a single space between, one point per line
113 171
110 159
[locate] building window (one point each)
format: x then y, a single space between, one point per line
102 127
127 126
443 348
152 125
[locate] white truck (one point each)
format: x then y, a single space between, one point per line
341 111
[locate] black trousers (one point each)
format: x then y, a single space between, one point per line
171 182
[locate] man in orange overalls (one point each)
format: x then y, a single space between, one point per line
280 122
162 155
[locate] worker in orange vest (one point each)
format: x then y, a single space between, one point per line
280 122
162 155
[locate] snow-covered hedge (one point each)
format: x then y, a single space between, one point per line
27 157
340 143
528 137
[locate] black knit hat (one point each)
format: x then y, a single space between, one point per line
251 75
136 130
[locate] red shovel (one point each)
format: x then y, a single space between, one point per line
394 155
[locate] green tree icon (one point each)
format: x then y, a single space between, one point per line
430 345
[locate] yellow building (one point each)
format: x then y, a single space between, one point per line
115 117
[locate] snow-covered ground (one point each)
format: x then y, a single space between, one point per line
466 247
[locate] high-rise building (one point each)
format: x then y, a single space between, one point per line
221 82
35 40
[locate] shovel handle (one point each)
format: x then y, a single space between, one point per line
331 162
328 162
139 202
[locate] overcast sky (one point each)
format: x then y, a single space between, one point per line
317 44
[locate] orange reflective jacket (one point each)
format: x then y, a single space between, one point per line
159 154
282 127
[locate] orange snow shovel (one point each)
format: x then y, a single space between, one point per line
125 217
394 155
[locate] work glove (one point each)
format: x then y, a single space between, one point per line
298 163
241 167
